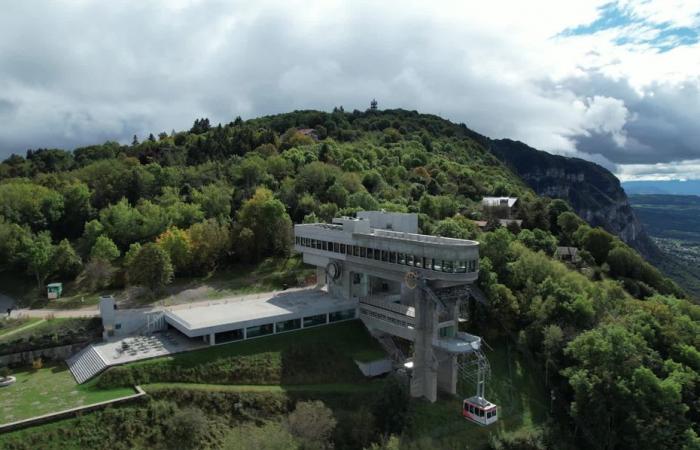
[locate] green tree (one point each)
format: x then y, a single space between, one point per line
209 242
104 249
150 267
177 244
215 200
312 423
568 223
39 257
270 436
187 428
598 243
66 260
266 217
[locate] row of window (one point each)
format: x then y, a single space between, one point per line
407 259
476 411
285 325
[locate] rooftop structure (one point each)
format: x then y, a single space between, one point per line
499 201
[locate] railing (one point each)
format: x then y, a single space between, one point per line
379 302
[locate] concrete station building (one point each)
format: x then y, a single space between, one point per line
375 267
406 285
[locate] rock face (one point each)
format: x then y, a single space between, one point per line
593 191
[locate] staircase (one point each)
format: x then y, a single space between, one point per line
394 352
86 364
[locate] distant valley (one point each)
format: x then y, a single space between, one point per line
662 187
673 222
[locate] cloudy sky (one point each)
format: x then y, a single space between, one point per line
614 82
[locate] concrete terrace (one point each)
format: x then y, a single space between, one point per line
238 313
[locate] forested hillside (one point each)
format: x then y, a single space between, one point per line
617 340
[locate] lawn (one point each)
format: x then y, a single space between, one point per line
9 327
58 325
314 355
515 386
47 390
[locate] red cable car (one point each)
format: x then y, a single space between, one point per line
479 410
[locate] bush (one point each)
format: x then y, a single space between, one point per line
313 423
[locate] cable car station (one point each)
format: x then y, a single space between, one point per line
409 286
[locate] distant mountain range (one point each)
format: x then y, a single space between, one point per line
667 187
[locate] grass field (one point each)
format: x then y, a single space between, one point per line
9 327
47 390
42 327
314 355
515 386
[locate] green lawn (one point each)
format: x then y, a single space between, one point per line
318 355
342 388
10 327
49 390
515 386
350 338
43 327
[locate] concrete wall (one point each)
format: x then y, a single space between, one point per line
406 223
52 353
375 368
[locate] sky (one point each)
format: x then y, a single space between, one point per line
617 82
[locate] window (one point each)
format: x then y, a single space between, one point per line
392 257
288 325
341 315
342 248
297 240
480 411
377 254
370 253
356 250
336 247
448 266
363 252
461 267
437 265
409 260
446 332
260 330
117 326
402 258
312 321
228 336
471 409
472 265
419 261
385 256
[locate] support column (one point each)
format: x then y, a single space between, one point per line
447 371
212 338
447 374
424 381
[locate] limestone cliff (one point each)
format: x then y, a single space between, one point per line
593 191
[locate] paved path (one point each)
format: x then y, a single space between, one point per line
6 302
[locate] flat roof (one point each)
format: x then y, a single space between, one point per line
233 313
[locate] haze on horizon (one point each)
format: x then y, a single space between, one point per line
613 82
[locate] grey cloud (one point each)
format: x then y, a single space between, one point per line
73 74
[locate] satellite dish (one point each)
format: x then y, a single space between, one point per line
411 280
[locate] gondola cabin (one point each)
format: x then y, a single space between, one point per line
480 410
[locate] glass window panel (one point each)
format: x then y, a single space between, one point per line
260 330
402 258
312 321
288 325
341 315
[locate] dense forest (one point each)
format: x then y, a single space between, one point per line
617 340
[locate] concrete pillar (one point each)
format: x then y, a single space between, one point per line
424 381
320 277
447 374
212 338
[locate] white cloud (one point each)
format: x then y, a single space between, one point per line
73 73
